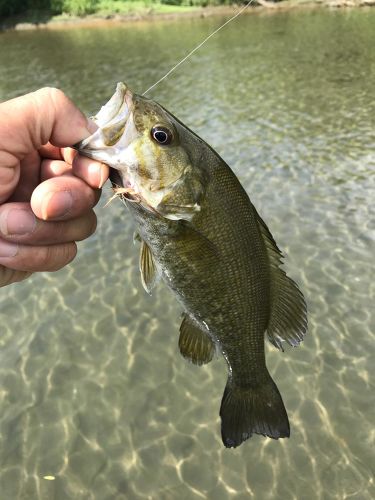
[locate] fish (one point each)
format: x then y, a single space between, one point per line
200 233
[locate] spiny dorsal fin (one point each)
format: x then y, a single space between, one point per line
147 267
288 320
194 343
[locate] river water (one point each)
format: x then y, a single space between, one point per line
93 390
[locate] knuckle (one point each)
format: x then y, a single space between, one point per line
51 93
87 227
58 233
92 224
55 257
68 252
8 276
46 258
47 99
96 196
45 169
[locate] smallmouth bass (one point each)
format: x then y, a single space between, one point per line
200 232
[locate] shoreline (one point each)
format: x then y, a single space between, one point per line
96 20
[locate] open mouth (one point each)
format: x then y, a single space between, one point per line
111 121
116 108
109 143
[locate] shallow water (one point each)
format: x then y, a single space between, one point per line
93 390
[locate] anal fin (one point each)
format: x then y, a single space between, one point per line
194 343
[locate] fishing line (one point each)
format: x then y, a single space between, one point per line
199 46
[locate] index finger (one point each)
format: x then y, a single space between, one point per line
28 122
36 118
51 152
91 171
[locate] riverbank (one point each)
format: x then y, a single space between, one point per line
137 11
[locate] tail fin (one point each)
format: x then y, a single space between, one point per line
248 410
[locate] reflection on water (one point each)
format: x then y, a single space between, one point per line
93 390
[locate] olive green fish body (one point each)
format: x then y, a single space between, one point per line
217 266
200 232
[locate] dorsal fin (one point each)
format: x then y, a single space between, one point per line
288 321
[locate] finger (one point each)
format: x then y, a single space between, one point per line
32 120
9 175
36 258
50 151
46 115
91 171
62 198
69 154
30 178
8 276
54 153
56 168
53 168
18 224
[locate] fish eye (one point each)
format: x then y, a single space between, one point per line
161 135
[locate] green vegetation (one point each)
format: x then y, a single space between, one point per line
105 7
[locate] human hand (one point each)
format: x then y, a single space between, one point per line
47 191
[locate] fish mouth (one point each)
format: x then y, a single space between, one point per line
103 145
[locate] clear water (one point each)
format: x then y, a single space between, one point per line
93 390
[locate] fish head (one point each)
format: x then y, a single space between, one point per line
151 151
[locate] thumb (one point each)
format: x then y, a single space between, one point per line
28 122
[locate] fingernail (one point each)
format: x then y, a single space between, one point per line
91 126
17 222
103 178
8 249
57 204
97 174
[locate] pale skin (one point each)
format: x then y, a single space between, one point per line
47 191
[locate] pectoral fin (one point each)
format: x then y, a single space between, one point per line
194 343
148 268
198 244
